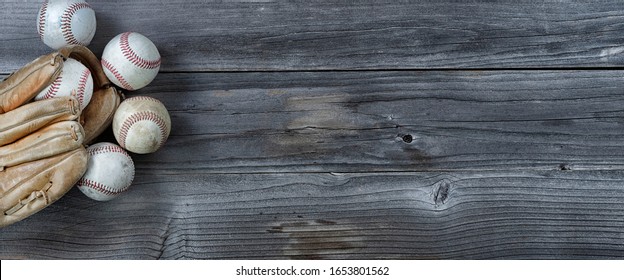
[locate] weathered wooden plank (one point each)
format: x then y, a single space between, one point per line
390 121
475 215
307 35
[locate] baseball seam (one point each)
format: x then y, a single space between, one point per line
117 75
54 87
107 149
97 186
66 20
143 98
142 116
138 61
42 18
82 84
114 149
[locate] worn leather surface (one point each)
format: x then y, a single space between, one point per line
33 116
99 114
42 152
29 187
49 141
22 86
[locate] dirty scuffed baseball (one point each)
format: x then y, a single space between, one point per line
110 172
131 60
141 124
74 80
62 23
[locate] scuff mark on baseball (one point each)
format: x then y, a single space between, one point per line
110 172
62 23
141 124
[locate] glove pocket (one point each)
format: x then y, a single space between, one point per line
49 141
27 188
98 115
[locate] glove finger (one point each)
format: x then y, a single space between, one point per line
27 188
33 116
25 83
49 141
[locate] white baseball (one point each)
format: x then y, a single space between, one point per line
110 172
141 124
131 60
66 22
74 80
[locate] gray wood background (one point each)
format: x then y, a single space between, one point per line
358 130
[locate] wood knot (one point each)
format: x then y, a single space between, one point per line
441 193
407 138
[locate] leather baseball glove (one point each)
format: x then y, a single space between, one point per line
42 153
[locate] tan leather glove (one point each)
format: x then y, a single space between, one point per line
22 86
42 152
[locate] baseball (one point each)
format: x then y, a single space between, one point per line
141 124
110 172
66 22
130 60
74 80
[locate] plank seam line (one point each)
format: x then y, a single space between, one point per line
492 69
381 172
441 69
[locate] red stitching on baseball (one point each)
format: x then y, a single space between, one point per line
66 19
142 116
117 75
144 98
100 187
54 87
107 149
133 57
82 84
42 18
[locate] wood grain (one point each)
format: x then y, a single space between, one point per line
474 215
378 130
327 35
390 121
